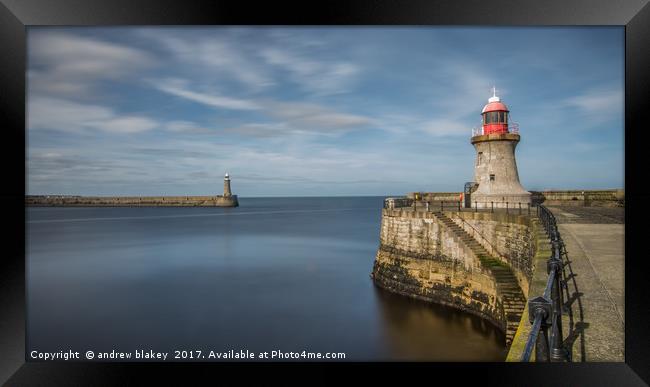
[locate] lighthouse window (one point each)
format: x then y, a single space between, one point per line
491 177
501 119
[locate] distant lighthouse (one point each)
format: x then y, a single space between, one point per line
226 186
495 170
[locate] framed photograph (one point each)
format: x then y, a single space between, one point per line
425 186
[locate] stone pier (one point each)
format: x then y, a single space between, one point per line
477 262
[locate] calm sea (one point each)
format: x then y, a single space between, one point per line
275 274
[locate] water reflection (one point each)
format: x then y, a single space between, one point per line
275 273
417 330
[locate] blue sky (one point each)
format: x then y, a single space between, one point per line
321 111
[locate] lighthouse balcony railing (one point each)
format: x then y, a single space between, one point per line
512 127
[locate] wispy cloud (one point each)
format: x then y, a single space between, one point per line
599 104
178 88
302 119
262 130
321 77
446 127
168 152
68 116
67 64
292 117
213 55
306 179
187 127
71 167
308 116
227 54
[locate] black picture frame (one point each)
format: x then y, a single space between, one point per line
16 15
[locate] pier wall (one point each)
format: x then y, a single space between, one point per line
133 201
421 258
434 196
586 198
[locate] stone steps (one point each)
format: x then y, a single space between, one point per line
515 301
507 284
508 289
512 292
500 274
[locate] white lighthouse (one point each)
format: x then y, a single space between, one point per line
495 170
226 186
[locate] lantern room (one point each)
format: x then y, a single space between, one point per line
495 116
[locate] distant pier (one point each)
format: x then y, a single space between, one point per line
225 200
131 201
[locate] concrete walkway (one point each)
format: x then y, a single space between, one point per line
594 240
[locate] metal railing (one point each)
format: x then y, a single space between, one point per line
457 205
512 127
454 205
508 207
545 311
398 202
438 205
492 250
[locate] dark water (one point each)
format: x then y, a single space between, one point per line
287 274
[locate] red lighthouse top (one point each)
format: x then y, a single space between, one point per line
495 115
495 107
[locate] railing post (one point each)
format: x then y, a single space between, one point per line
459 206
492 206
528 205
557 350
475 206
519 208
506 207
545 312
539 311
542 353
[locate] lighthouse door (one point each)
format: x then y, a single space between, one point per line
467 192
